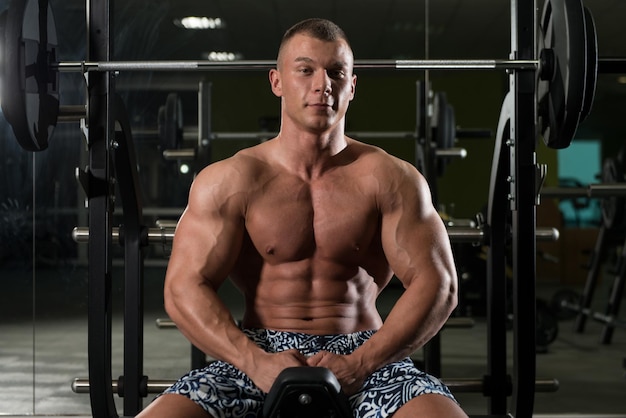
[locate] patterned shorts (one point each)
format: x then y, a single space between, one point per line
224 391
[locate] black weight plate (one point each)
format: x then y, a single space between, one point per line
421 101
449 127
592 64
420 158
161 128
30 98
561 84
563 302
171 123
547 327
613 207
439 119
448 137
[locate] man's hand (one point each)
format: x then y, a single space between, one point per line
350 376
269 367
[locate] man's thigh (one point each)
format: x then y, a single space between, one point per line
173 406
396 385
430 406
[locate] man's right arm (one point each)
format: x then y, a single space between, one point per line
207 241
206 245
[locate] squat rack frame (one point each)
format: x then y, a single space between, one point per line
523 170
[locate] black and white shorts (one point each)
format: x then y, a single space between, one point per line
224 391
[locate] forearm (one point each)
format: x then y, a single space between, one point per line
206 322
415 318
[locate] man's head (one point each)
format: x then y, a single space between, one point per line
317 28
314 76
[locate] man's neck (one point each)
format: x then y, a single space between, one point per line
310 154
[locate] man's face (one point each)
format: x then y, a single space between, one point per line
315 81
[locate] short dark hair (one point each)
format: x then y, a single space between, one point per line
322 29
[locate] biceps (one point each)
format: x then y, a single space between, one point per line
415 245
205 248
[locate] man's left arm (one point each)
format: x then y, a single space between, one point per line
417 247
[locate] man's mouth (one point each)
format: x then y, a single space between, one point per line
320 105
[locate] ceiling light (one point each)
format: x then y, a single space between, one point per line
222 56
200 22
621 79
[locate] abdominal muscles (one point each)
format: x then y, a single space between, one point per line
289 297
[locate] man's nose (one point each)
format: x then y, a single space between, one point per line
323 83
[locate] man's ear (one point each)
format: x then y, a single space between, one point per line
275 82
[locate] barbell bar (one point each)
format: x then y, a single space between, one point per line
72 113
166 223
592 190
472 235
452 322
606 64
191 132
191 153
459 385
155 235
247 65
457 234
81 385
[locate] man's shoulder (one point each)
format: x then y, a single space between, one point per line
245 165
380 158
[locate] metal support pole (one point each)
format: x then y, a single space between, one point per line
133 241
523 173
100 128
497 221
595 263
615 299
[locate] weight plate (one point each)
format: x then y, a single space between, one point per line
547 327
420 158
613 207
170 120
592 64
30 97
562 44
440 121
563 303
448 123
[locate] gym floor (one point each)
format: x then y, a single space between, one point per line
37 381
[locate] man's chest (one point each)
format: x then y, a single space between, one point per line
294 220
